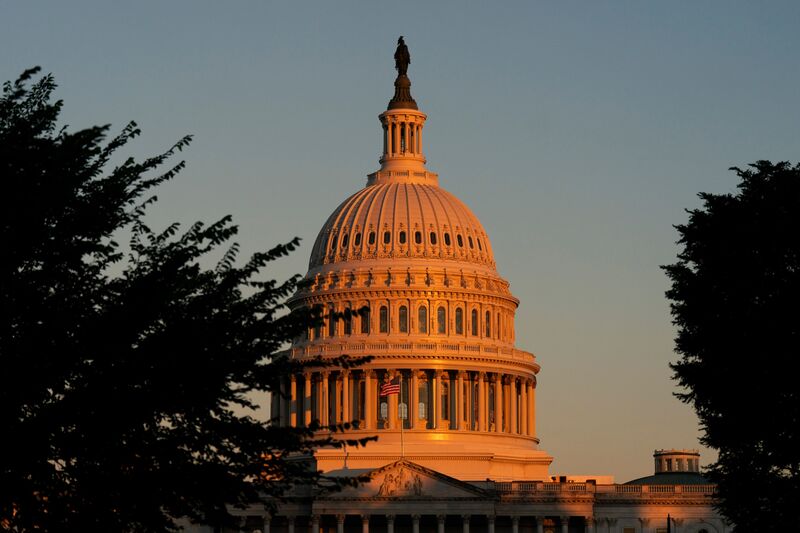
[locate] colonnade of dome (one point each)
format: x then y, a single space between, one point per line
430 399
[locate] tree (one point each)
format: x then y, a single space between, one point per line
735 299
126 370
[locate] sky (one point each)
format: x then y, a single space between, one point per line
578 132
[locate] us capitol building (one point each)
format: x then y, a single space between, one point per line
457 447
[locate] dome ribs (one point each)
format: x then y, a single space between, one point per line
396 206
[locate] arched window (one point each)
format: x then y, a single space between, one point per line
371 238
469 239
488 324
480 248
383 318
422 394
418 237
344 241
460 241
441 320
402 317
447 239
497 326
459 321
365 320
357 239
402 237
331 322
387 237
334 241
348 322
433 238
422 318
474 322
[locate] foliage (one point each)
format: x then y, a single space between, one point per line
126 373
735 293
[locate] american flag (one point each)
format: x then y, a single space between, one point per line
389 388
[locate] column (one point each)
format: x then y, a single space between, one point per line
393 406
290 519
539 524
507 381
486 384
419 139
498 402
339 523
266 527
440 423
564 524
293 401
465 523
307 400
324 401
369 399
532 409
515 524
314 524
389 523
337 397
415 523
364 523
413 405
523 404
437 397
404 125
389 137
347 410
515 424
459 410
482 406
490 520
440 523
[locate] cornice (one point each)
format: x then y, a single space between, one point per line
462 353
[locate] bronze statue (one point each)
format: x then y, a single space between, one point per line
401 57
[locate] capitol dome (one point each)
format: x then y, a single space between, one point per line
402 214
403 272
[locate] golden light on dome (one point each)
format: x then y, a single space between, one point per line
440 323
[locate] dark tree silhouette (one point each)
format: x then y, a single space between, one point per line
125 373
736 302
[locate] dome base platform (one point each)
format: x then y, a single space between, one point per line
462 455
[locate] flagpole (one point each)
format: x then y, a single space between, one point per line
402 420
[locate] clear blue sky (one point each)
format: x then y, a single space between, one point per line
577 131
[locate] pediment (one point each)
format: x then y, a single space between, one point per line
406 480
